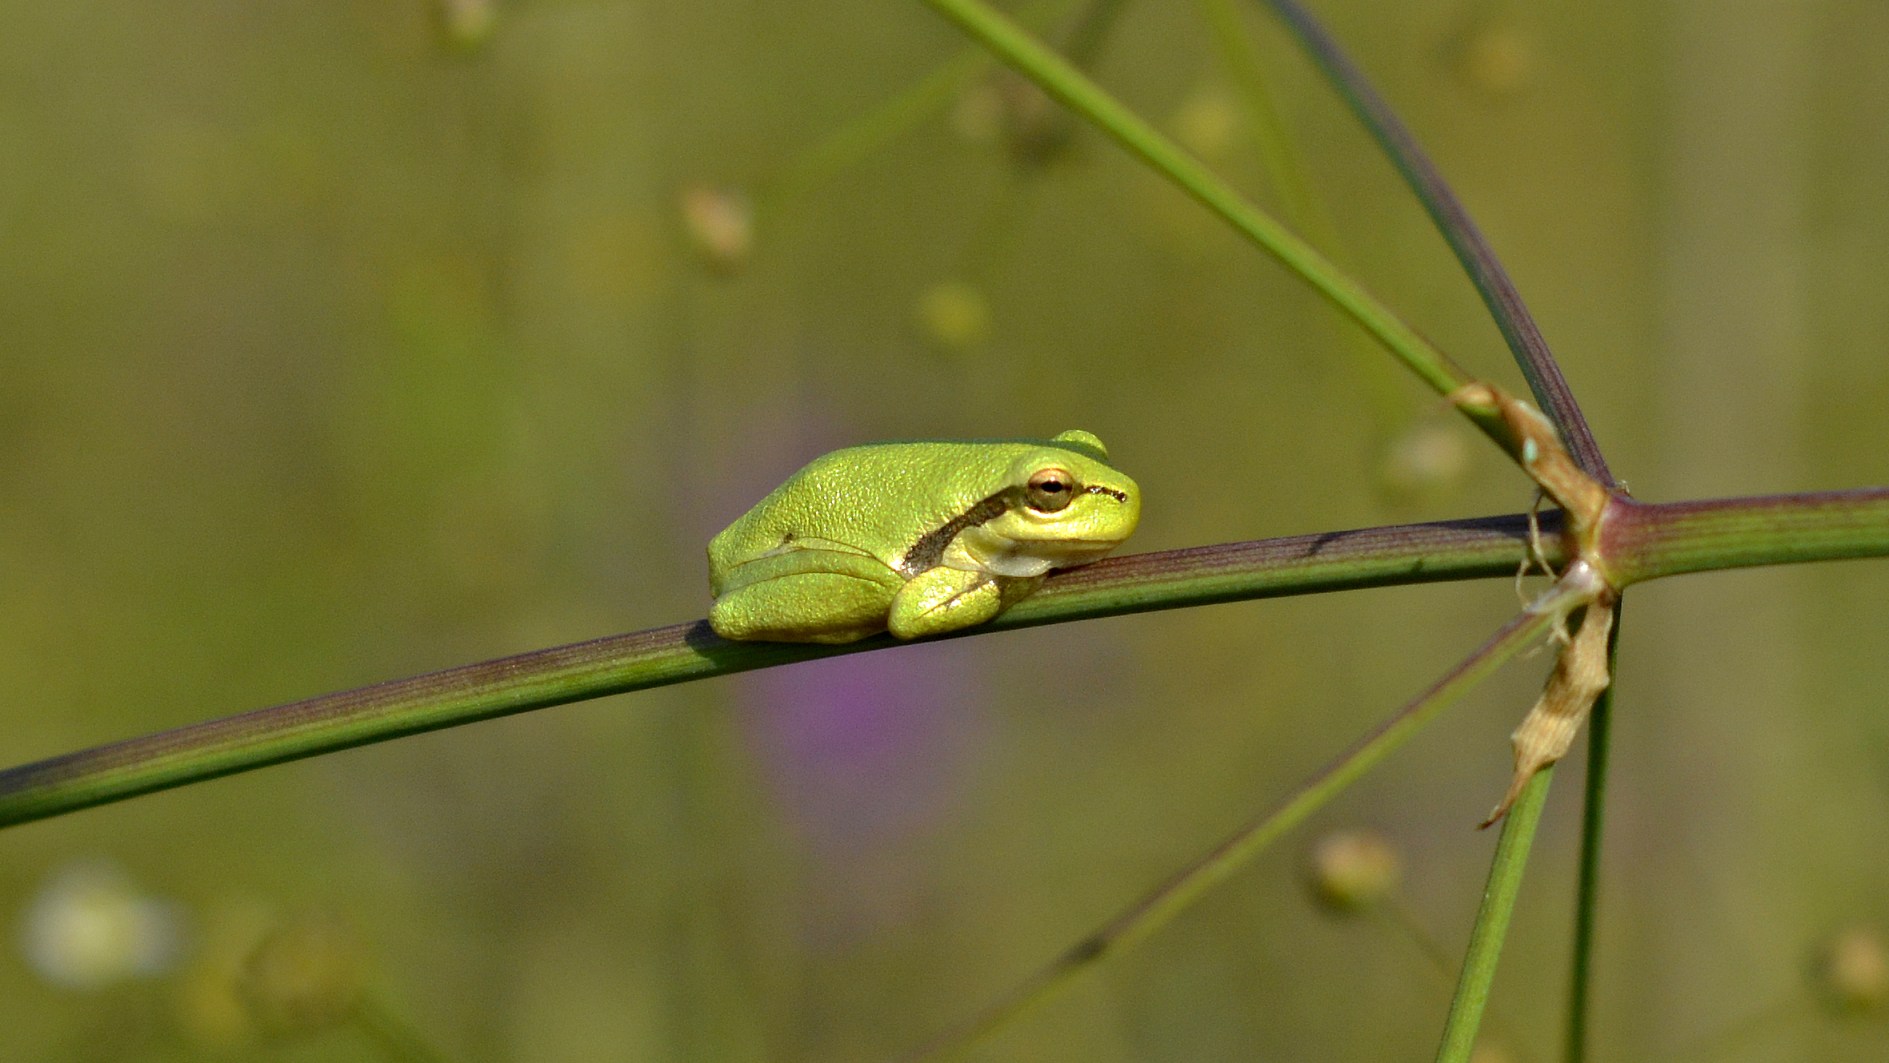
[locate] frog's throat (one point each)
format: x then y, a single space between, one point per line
983 550
987 551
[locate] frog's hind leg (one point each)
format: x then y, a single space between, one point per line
806 596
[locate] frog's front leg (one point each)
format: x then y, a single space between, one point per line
807 595
945 599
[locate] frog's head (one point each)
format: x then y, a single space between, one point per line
1067 506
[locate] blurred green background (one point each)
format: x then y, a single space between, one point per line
344 341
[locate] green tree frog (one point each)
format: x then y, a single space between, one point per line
916 538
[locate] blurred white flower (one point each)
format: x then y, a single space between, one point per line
89 927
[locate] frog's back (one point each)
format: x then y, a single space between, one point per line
878 499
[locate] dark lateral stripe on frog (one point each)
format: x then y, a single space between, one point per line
929 550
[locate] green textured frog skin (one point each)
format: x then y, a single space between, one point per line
916 538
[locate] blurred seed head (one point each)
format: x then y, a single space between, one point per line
1036 128
1424 461
1006 106
1354 869
954 315
720 224
89 927
1490 1052
304 975
1494 58
210 1006
1207 123
467 24
264 974
978 114
1851 973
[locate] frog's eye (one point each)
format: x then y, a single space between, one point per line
1050 490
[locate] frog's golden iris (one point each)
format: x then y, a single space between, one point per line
916 538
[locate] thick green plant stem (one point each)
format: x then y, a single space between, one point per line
1642 541
1587 887
1639 542
1492 920
1478 259
1062 80
1298 565
1154 910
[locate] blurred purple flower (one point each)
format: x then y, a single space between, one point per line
864 751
